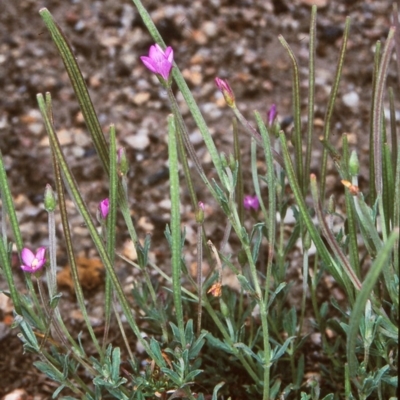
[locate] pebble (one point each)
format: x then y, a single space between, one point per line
211 111
195 137
17 394
210 28
138 141
129 250
141 98
351 99
318 3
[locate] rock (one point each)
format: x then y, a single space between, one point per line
17 394
137 142
318 3
351 99
141 98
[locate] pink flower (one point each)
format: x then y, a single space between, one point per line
33 262
159 61
226 90
251 202
272 113
104 208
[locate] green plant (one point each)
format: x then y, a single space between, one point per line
248 342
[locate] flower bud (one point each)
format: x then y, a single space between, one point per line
200 213
123 165
224 308
272 113
226 90
104 208
354 165
49 199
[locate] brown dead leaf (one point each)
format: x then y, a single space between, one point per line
90 273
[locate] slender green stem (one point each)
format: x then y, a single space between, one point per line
9 205
330 107
52 271
238 157
271 221
378 108
311 97
351 217
393 129
372 187
175 225
297 114
184 136
110 224
199 275
6 266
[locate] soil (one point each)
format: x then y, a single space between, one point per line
234 40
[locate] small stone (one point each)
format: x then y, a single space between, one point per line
165 204
210 29
137 142
141 98
78 152
145 224
192 75
17 394
318 3
36 128
351 99
129 250
64 137
211 111
195 137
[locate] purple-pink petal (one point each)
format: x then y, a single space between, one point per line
33 262
251 202
40 254
272 112
27 256
159 61
149 63
104 208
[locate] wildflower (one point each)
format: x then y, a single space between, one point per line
251 202
159 61
226 90
33 262
104 208
272 113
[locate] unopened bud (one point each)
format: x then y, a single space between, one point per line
123 165
224 308
104 208
49 199
200 213
354 165
226 90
